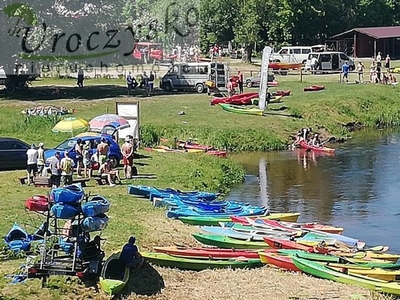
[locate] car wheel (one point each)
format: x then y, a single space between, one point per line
167 87
114 161
200 88
249 84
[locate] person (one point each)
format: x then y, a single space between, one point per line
360 70
151 83
87 164
79 157
314 64
102 150
145 83
305 133
66 166
379 60
40 160
345 71
315 141
55 170
298 139
240 82
372 74
230 89
130 255
81 77
378 73
131 82
106 171
387 62
32 167
127 154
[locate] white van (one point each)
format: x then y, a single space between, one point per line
295 54
329 60
193 76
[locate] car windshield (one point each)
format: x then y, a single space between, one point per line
66 145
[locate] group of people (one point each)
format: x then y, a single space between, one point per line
238 81
146 83
306 135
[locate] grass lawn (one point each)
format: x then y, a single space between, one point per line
338 104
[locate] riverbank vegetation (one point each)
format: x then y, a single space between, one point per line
371 105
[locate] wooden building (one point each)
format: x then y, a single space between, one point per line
367 42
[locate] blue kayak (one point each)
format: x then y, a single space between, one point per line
213 205
17 239
254 235
65 211
90 224
317 237
248 211
146 191
95 206
71 194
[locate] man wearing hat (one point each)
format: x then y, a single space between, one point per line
130 255
32 161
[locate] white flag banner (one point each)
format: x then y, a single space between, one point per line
262 104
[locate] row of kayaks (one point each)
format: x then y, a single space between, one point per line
249 98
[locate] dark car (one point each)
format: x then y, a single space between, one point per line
114 152
13 154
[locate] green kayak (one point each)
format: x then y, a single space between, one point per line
241 110
114 275
227 242
322 271
213 221
165 260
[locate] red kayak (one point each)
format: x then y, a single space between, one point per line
281 93
272 83
280 261
217 153
313 88
304 145
235 99
207 253
284 66
37 203
286 244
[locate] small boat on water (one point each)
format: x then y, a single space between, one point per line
114 275
165 260
304 145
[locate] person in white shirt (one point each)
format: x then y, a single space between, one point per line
32 167
40 160
379 60
314 64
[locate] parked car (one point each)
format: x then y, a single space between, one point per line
13 154
255 80
114 152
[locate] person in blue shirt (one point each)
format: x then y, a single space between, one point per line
345 71
130 255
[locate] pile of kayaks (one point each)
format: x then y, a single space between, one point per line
249 98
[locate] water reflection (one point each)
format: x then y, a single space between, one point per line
357 188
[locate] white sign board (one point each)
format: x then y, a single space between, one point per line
129 111
262 104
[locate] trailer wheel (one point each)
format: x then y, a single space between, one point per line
200 88
10 88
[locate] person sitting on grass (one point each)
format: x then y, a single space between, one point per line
130 255
106 171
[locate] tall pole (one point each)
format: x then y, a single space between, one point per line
263 182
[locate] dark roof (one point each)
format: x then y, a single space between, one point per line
374 32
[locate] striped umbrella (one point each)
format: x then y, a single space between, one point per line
98 123
70 125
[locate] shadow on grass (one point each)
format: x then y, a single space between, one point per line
147 281
90 92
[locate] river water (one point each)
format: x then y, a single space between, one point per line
357 188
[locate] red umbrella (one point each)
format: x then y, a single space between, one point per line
97 123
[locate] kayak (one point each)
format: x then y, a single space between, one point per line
281 93
241 110
323 271
206 253
287 225
240 99
165 260
114 275
176 212
278 260
191 145
227 242
145 191
284 66
214 221
313 88
304 145
37 203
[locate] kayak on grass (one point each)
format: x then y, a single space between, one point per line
242 110
206 253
